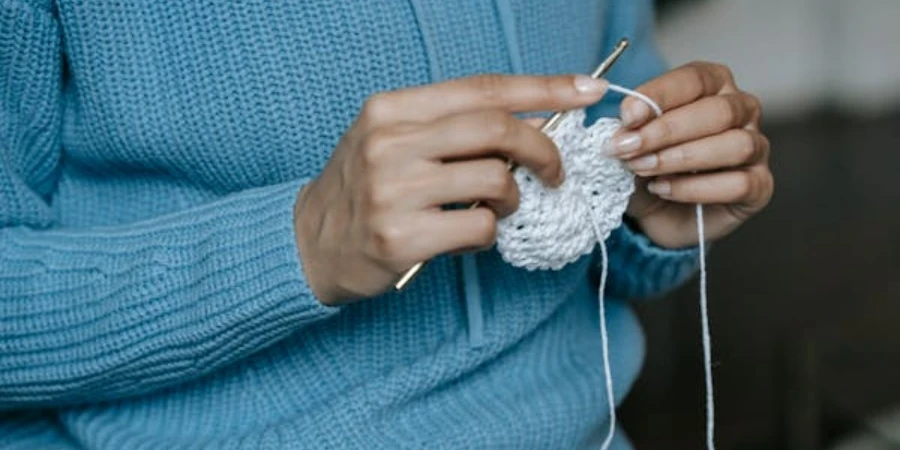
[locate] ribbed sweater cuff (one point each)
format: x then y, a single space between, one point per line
640 269
119 311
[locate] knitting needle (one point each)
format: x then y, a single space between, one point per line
547 127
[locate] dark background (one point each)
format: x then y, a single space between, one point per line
804 303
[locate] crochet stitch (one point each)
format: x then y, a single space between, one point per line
552 227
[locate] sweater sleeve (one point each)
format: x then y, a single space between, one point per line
637 267
104 313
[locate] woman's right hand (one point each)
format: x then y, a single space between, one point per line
375 210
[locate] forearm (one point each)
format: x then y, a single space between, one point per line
113 312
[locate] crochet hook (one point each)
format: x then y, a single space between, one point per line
547 127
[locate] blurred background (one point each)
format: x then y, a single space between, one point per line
805 299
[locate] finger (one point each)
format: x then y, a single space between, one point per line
403 241
676 88
642 202
756 111
749 187
512 93
705 117
456 230
490 133
486 180
733 148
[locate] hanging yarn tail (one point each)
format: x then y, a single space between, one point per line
706 336
707 340
604 337
704 313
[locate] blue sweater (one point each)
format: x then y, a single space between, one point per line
151 295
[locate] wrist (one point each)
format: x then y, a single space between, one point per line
305 233
660 232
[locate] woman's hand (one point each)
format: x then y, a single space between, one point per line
376 208
706 148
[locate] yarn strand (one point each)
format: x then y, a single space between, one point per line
705 330
581 214
632 93
604 337
707 340
704 311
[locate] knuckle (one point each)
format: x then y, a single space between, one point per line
695 68
497 125
387 239
698 71
746 185
484 228
660 132
512 198
754 102
764 183
377 108
748 148
707 74
755 106
550 156
726 109
549 88
509 188
765 146
498 179
723 71
674 158
489 86
375 146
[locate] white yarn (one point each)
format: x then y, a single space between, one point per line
623 90
604 338
554 227
707 344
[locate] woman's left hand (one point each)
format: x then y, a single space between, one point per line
706 148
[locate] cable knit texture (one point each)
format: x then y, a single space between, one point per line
151 295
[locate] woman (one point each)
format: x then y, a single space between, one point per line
205 204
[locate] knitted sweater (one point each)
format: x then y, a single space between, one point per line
151 294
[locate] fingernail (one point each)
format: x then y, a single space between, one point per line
644 163
636 112
587 85
626 143
660 188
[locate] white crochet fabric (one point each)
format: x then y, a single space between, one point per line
552 227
